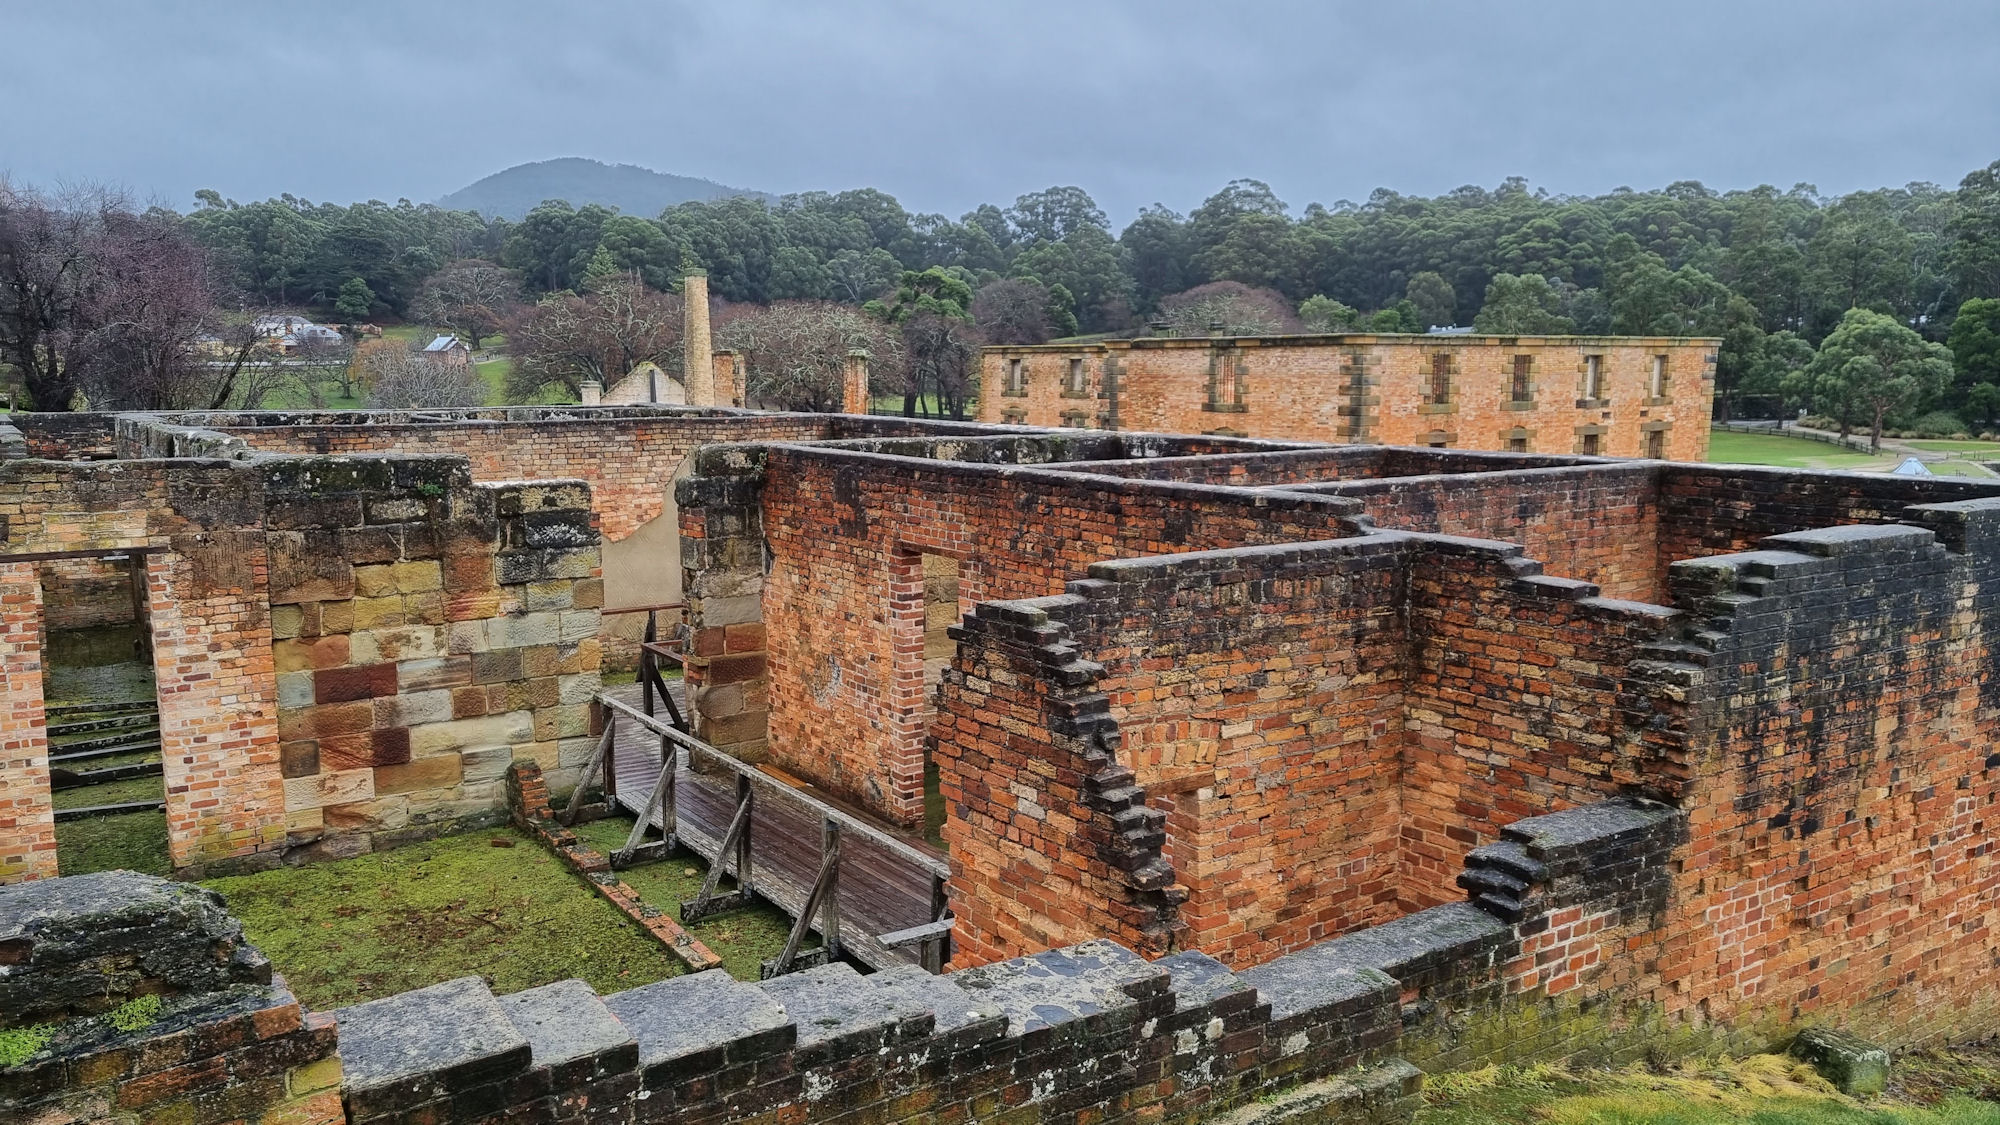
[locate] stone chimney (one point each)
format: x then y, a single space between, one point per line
590 392
854 383
699 363
731 360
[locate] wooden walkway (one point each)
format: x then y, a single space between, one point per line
880 891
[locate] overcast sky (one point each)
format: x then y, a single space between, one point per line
946 105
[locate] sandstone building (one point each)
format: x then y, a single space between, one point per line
1260 759
1619 396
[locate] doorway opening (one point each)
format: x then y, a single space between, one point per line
105 768
941 612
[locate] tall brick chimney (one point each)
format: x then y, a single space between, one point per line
699 363
854 383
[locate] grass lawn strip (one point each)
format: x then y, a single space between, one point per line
743 938
1761 1089
376 925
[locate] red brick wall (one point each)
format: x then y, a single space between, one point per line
218 698
1521 701
1718 509
1051 843
1597 523
1259 698
629 463
842 600
86 593
1842 861
27 824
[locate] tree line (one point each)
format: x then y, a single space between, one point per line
579 291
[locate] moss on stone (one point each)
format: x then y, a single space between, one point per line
380 924
19 1044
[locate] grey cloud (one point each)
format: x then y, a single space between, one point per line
949 105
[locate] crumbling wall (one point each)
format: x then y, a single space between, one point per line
346 650
1841 869
1259 699
827 572
216 1039
1527 694
1598 523
1720 509
1089 1032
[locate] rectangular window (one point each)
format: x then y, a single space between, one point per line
1659 376
1523 389
1076 376
1517 445
1017 380
1656 445
1590 445
1440 378
1593 377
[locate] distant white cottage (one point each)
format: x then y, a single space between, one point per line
287 333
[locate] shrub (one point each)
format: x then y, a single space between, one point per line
1936 424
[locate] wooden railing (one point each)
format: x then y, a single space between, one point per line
822 901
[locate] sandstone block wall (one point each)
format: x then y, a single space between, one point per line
346 650
429 631
1376 389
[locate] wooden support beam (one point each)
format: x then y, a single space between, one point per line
823 900
598 758
707 903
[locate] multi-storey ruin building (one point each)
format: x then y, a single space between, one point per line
1260 761
1619 396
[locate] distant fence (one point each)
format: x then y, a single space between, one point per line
1782 428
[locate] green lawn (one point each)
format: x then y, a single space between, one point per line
742 938
1762 1090
1945 446
1728 447
492 904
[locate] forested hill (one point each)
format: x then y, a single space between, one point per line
512 193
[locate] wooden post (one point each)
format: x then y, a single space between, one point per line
568 816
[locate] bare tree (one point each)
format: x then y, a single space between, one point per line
402 380
1013 311
796 351
317 367
601 335
473 298
1231 307
46 274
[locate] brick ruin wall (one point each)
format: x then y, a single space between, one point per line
1817 708
792 549
346 651
1375 389
1307 738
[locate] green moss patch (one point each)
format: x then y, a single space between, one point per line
376 925
742 938
1762 1089
129 841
